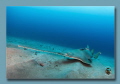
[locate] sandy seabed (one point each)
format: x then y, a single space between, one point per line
27 64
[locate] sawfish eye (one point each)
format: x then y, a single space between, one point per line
87 48
82 49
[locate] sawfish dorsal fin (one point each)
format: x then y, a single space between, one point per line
92 51
87 47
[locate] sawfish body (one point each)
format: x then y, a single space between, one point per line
83 55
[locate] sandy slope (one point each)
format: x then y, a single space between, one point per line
25 64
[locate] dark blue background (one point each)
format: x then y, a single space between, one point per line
74 27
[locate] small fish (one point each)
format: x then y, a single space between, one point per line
25 48
35 53
108 71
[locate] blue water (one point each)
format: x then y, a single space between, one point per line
69 26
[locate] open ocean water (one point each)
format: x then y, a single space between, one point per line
69 26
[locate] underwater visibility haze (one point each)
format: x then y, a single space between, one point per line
80 28
70 26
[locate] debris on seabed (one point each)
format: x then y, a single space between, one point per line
41 64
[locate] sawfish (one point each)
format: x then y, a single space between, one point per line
84 55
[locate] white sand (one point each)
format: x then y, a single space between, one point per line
24 64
